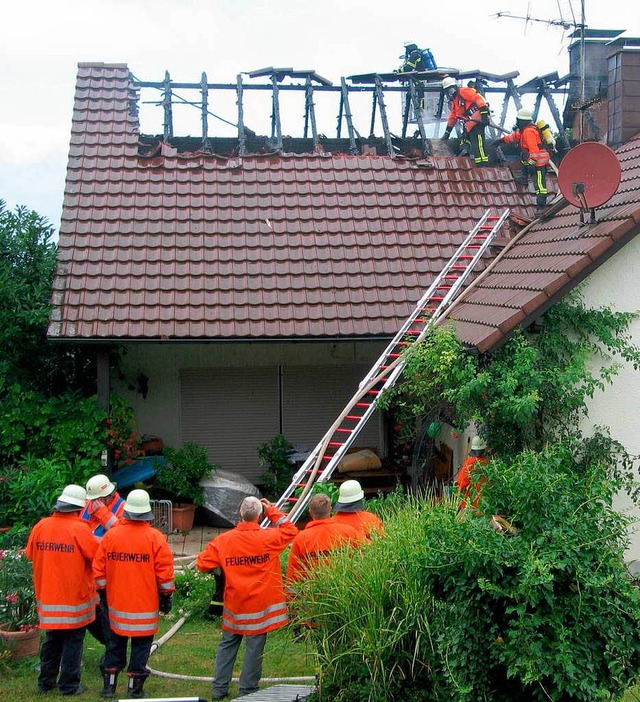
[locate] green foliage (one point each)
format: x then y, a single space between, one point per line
530 391
182 471
123 437
17 598
27 262
193 592
274 455
444 607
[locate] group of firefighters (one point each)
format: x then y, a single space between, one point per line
470 110
99 565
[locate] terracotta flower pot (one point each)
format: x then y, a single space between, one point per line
20 643
182 516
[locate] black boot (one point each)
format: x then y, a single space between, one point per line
136 683
109 680
541 201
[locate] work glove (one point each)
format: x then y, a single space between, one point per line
447 133
166 603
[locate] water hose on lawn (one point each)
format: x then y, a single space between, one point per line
200 678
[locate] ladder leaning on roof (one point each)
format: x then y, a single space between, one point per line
322 461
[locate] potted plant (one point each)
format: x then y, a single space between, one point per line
18 614
180 475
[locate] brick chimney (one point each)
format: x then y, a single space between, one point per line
623 90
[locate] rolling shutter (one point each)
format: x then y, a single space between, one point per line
230 412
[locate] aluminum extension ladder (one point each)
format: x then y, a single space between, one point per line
322 461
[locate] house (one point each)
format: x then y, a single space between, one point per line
249 294
252 292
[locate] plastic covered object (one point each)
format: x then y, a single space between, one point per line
223 492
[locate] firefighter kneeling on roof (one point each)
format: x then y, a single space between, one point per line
133 569
254 600
534 156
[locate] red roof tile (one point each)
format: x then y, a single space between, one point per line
296 246
548 260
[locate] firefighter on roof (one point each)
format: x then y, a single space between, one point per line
469 107
254 599
534 156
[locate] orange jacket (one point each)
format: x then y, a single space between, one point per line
318 538
105 516
463 481
61 548
531 142
254 600
467 106
365 522
135 564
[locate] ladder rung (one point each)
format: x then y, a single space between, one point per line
335 443
394 355
363 404
344 431
354 417
373 392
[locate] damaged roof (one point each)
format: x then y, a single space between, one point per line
547 260
170 245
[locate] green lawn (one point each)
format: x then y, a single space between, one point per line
189 652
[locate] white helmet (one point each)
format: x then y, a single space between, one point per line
478 444
524 114
350 491
138 506
449 82
73 497
409 43
99 486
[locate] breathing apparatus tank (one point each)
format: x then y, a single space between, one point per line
546 133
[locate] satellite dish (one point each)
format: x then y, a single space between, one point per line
589 176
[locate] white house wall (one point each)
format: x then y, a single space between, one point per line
168 365
617 284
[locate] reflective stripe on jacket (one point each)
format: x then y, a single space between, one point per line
104 517
61 548
467 106
135 564
315 541
365 522
531 142
254 597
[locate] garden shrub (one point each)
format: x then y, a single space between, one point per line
444 607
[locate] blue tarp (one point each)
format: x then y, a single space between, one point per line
138 472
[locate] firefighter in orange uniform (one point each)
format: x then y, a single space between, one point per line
470 108
534 156
134 574
322 535
254 599
62 548
470 485
350 510
104 505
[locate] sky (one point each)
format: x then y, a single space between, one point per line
41 43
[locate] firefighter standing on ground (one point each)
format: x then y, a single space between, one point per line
534 156
469 107
469 484
103 510
350 510
62 548
322 535
134 575
104 506
254 596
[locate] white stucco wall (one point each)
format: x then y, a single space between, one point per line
162 362
617 284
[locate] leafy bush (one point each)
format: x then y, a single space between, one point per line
17 596
274 455
181 473
444 607
193 592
